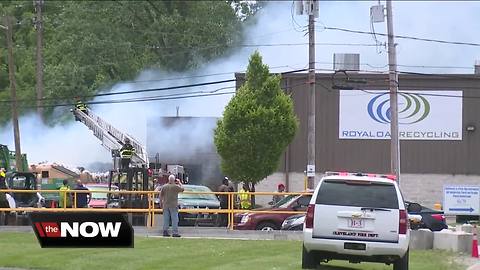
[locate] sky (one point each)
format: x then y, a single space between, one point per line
74 145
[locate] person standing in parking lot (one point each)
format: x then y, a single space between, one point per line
245 199
223 218
82 198
3 180
65 199
277 197
169 200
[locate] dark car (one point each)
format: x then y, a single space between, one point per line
294 223
268 222
431 219
197 201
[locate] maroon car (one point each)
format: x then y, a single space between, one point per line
100 199
268 222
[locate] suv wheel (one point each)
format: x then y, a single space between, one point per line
402 263
266 226
308 260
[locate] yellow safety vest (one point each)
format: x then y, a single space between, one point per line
64 196
244 199
81 106
127 152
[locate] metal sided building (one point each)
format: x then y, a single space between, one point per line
439 118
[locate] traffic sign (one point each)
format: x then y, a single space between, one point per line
310 170
461 200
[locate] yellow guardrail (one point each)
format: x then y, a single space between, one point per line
150 198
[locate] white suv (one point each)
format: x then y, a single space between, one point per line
356 217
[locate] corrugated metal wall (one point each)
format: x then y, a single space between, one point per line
446 157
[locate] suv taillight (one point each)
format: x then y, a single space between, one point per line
309 217
403 222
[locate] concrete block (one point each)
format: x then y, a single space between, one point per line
280 236
421 239
468 228
453 241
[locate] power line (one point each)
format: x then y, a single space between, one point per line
434 75
294 22
195 76
447 76
136 100
404 37
404 65
142 90
440 67
246 45
155 98
131 91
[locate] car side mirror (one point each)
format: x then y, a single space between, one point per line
414 208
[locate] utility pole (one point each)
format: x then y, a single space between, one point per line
39 83
310 8
311 103
13 89
393 79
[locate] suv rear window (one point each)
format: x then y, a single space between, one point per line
366 194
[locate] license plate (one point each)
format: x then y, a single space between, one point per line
355 246
356 223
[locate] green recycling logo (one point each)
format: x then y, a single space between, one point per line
412 108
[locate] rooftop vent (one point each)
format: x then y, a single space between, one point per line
346 61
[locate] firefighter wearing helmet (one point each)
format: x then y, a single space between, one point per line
126 153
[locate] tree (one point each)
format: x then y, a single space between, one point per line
90 45
257 125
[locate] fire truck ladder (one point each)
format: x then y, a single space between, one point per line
112 139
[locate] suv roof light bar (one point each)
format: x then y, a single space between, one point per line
388 176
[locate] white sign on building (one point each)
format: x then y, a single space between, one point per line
461 200
422 115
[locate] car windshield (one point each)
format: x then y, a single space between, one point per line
285 202
99 195
191 196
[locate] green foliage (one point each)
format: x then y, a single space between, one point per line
89 45
257 125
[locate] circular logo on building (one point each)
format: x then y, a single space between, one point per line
412 108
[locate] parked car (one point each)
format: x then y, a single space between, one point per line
356 217
197 201
268 222
103 200
294 223
424 217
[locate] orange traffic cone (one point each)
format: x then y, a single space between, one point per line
475 242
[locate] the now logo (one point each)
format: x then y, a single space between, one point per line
77 229
84 229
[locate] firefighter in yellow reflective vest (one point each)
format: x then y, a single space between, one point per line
126 153
244 197
65 197
79 105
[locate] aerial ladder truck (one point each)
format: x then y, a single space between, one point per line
133 178
113 139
